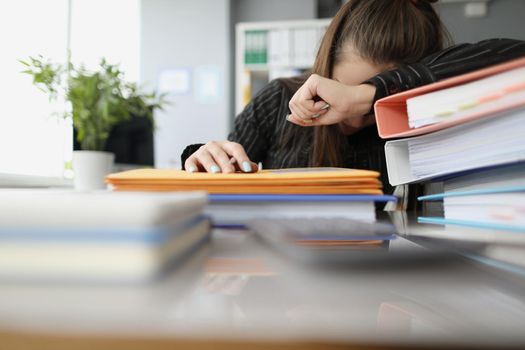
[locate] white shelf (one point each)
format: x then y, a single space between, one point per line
304 35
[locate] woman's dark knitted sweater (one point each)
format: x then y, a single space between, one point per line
268 137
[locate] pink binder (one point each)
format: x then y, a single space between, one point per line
391 111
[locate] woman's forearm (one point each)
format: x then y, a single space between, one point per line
364 99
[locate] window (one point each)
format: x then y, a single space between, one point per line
107 28
33 141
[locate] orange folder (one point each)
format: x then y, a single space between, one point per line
277 181
391 111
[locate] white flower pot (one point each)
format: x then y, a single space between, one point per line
90 168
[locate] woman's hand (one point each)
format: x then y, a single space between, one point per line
347 104
220 156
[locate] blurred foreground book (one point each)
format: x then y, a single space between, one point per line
99 236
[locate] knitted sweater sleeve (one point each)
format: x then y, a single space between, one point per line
447 63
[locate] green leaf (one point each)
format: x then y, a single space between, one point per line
24 63
99 100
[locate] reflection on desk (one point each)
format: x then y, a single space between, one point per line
440 301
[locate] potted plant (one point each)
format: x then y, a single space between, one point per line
97 102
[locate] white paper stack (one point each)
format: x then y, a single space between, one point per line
494 92
235 210
512 175
489 142
492 196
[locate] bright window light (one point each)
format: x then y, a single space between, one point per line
33 141
107 28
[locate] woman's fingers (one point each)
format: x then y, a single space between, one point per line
292 118
299 111
304 105
338 102
320 105
205 161
245 166
328 117
191 165
220 156
322 108
239 157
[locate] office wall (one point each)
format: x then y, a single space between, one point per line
273 10
504 19
192 35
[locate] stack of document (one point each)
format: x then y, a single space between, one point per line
485 96
281 181
466 133
105 236
451 102
492 141
493 199
496 208
486 207
461 124
285 193
488 142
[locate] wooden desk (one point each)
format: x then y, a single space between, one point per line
239 295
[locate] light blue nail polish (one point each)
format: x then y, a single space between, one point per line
192 169
316 115
246 167
215 169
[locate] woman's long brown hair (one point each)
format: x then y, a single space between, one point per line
382 32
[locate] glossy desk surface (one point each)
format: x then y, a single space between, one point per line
238 290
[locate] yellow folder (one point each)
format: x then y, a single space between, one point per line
285 181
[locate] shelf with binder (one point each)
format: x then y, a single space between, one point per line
268 50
